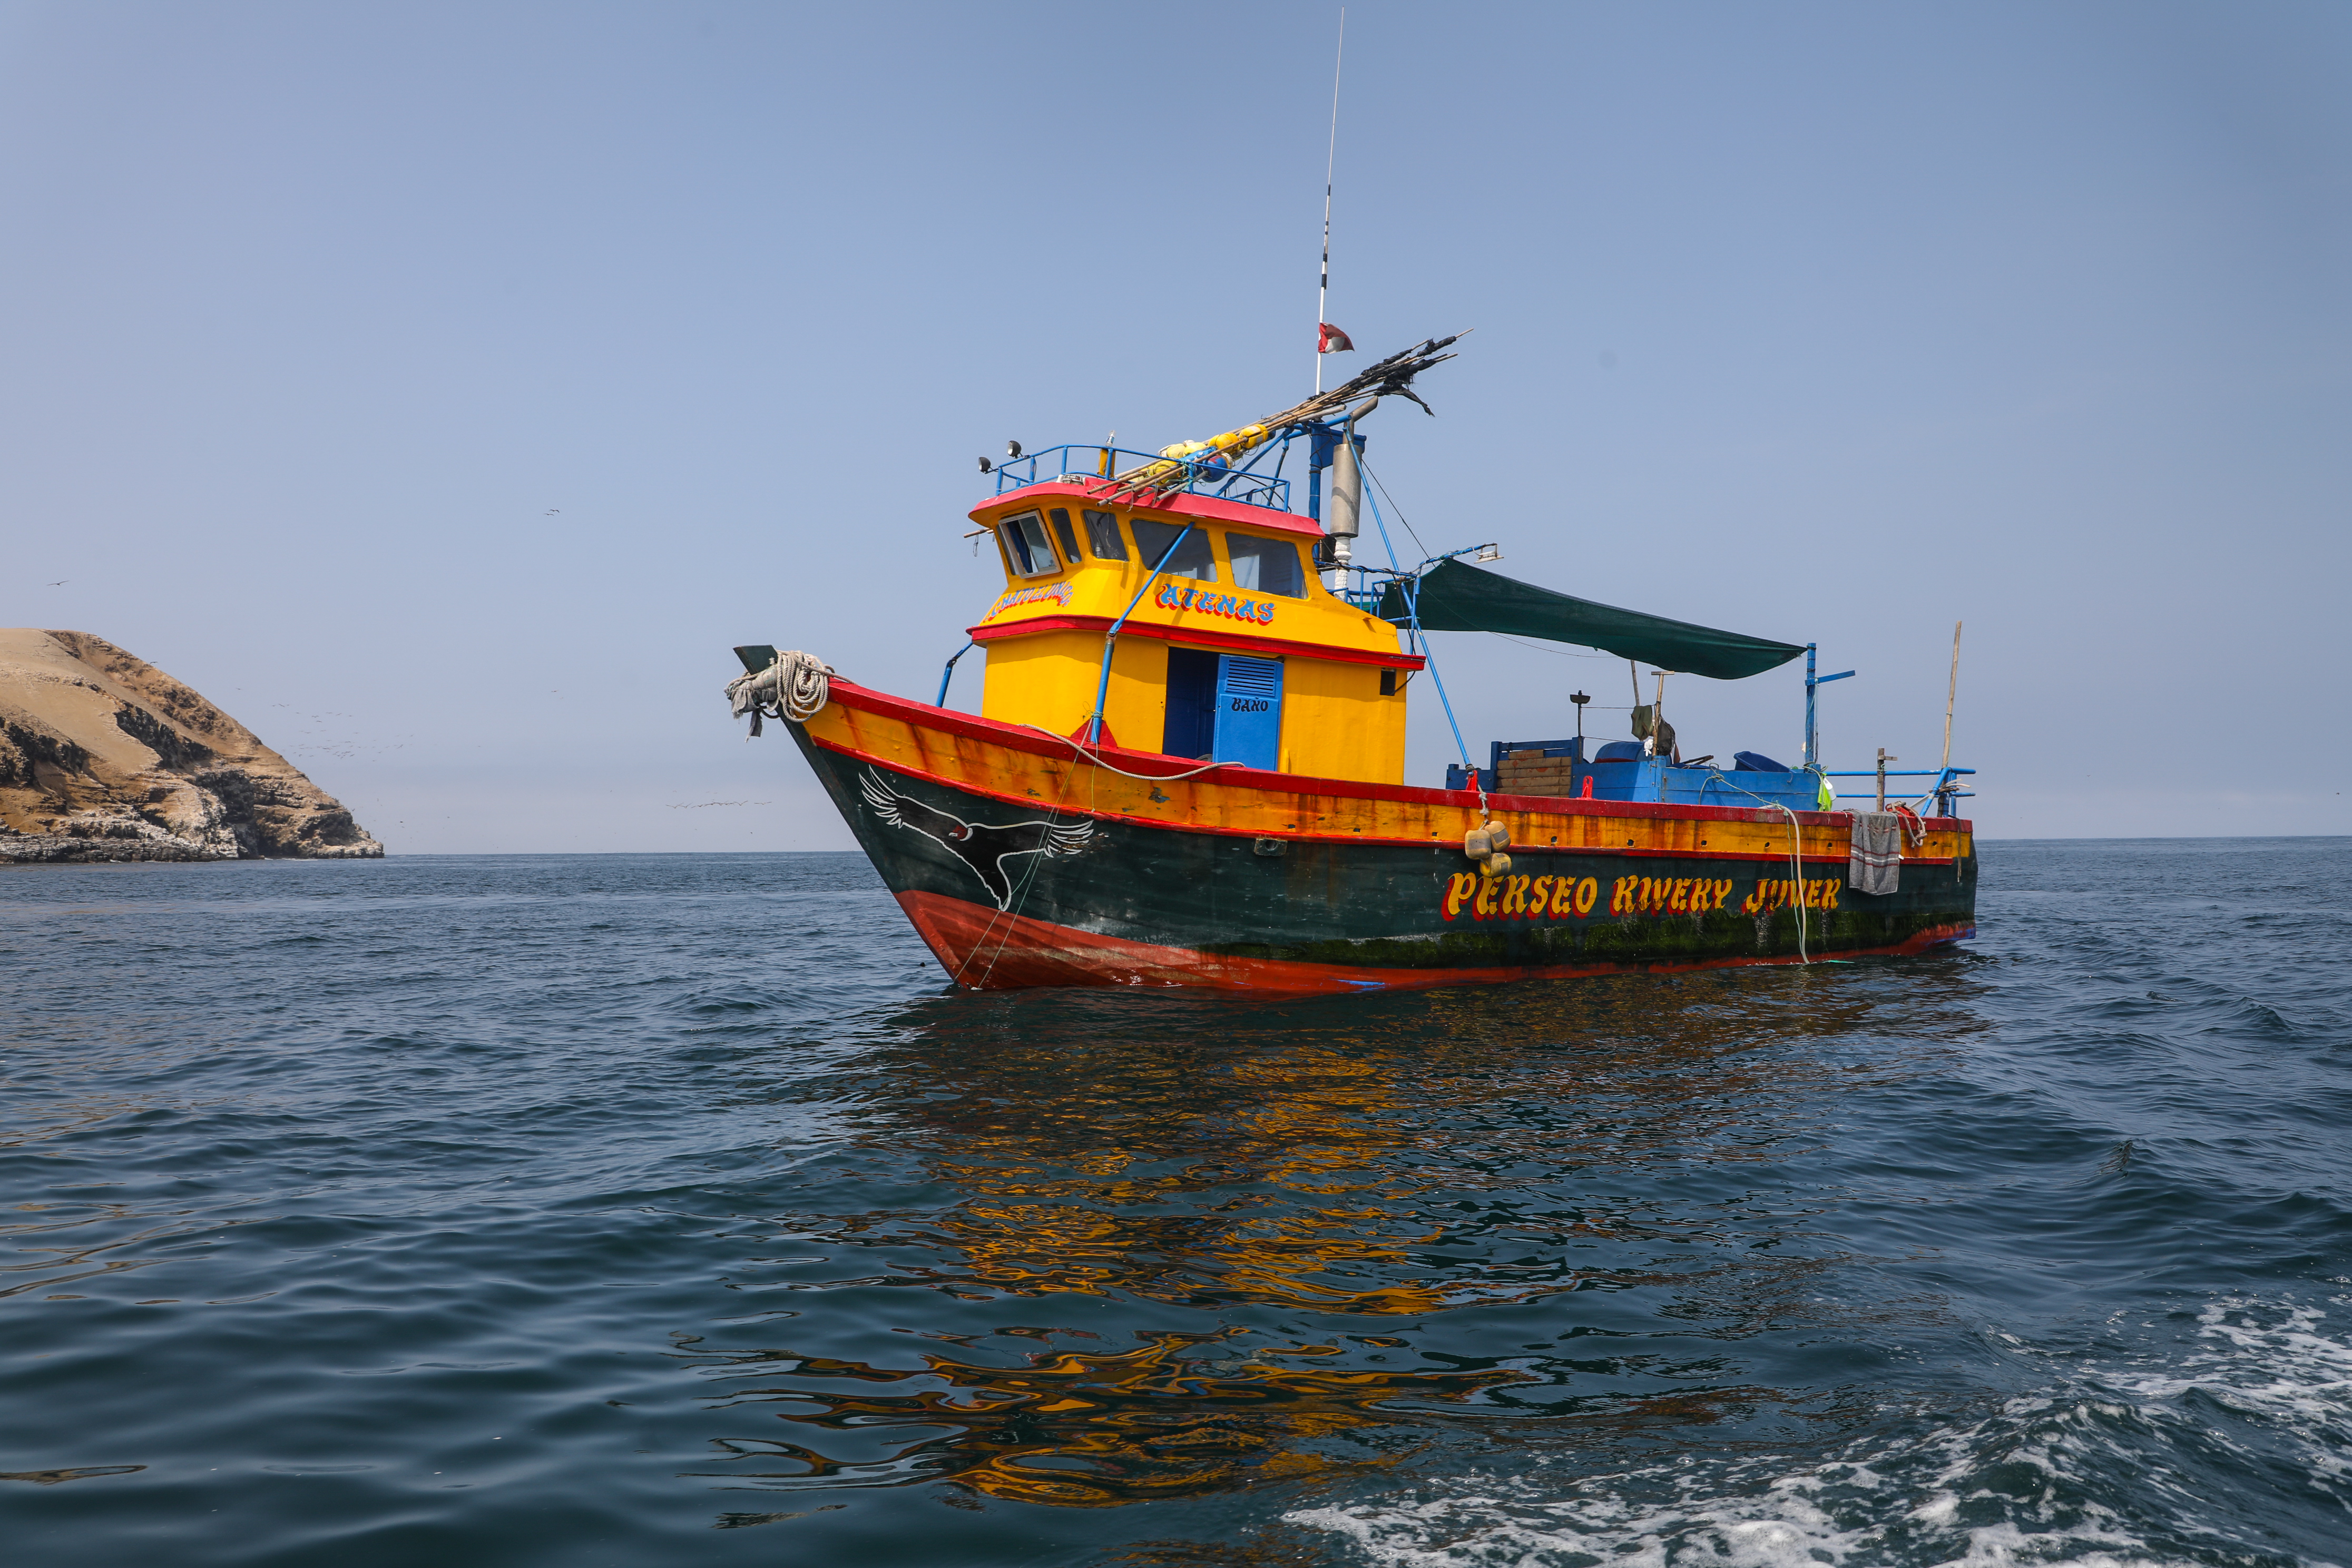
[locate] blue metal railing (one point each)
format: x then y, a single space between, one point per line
1946 783
1080 463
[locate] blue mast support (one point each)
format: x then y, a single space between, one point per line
1102 683
1413 609
1812 743
948 673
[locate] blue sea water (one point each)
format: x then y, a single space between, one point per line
651 1210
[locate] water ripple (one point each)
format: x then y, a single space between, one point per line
537 1209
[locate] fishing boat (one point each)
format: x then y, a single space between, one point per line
1189 764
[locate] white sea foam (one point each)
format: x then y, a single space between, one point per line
2280 1367
2044 1481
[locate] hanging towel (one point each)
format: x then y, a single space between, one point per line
1877 859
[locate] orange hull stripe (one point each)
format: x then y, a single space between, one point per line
948 723
1814 856
1028 767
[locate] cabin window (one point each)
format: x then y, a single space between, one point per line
1102 535
1159 543
1062 532
1268 565
1024 543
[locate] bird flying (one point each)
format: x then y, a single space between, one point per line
983 847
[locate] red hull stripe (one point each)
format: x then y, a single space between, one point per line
1153 764
1204 636
991 950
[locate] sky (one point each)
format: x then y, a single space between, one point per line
445 389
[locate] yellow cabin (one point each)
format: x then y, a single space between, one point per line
1237 653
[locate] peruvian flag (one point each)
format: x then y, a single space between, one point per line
1330 340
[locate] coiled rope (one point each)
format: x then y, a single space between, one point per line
796 686
806 683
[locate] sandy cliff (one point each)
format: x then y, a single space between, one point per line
105 757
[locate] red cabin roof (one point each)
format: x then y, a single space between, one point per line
1184 504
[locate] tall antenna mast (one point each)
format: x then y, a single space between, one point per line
1330 162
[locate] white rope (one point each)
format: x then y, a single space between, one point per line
1796 856
1080 747
804 685
1797 869
797 687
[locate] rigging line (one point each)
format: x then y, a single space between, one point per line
1010 913
1392 500
1331 163
1562 652
1386 542
1021 897
986 931
1411 588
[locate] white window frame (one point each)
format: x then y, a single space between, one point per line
1009 529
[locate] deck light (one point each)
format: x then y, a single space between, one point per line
1490 552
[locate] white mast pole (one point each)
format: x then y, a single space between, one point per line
1950 691
1330 162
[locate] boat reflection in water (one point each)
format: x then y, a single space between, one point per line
1166 1246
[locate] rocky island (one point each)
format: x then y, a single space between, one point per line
105 757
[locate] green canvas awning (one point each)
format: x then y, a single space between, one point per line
1455 597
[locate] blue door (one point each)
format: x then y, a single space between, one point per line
1249 710
1192 728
